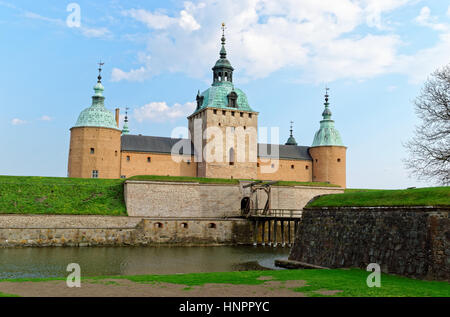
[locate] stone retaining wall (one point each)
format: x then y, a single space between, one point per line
411 241
178 199
42 231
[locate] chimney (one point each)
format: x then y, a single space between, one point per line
117 116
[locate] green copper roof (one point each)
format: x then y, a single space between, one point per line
327 134
291 140
217 97
97 115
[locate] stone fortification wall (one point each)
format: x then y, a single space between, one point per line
42 231
411 241
173 199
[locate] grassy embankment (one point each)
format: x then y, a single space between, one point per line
352 282
432 196
76 196
53 195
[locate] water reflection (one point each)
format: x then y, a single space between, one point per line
52 262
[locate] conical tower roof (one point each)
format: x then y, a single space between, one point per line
97 115
327 134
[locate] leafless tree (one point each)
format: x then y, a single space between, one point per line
429 149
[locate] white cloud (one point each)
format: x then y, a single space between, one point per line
95 32
160 111
152 20
321 39
17 121
425 19
46 118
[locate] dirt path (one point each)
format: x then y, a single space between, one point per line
126 288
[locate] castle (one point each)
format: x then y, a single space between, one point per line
223 126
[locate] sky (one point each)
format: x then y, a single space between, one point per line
374 55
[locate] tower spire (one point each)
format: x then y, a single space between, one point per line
223 52
100 65
125 129
222 70
327 112
291 140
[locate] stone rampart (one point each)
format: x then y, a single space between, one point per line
177 199
411 241
42 231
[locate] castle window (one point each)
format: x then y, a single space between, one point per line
149 159
212 226
232 129
250 115
232 99
224 112
184 225
220 124
245 127
115 153
292 166
231 156
123 176
242 114
188 162
306 167
92 150
94 174
317 160
215 111
338 159
273 166
128 158
257 164
158 225
232 113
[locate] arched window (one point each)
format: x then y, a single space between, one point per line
231 156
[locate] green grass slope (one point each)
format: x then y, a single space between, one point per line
53 195
431 196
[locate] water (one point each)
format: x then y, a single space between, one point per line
52 262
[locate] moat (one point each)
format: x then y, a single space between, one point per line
101 261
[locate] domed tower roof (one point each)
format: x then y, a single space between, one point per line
291 140
97 115
222 93
327 134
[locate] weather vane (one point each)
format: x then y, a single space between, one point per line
100 64
223 28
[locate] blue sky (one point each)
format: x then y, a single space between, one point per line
374 55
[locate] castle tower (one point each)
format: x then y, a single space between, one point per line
291 140
328 152
223 127
95 140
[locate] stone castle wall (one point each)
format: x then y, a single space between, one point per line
174 199
412 241
43 231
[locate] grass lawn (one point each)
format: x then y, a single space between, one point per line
352 282
7 295
431 196
55 195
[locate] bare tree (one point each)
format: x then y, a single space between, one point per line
429 149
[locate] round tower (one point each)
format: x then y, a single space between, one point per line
328 152
95 140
